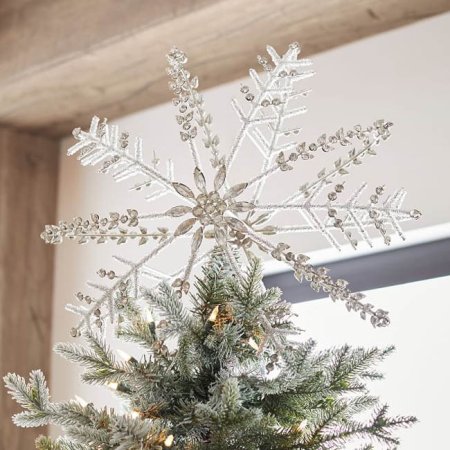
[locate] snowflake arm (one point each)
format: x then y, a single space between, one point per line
196 242
102 144
120 284
116 227
278 83
190 106
345 216
370 137
320 280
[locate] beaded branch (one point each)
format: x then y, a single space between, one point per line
233 216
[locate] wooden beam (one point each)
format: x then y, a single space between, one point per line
61 61
28 184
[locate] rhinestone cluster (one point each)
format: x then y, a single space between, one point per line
336 289
210 208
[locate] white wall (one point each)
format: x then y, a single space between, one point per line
402 76
417 373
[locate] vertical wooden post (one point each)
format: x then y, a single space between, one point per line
28 190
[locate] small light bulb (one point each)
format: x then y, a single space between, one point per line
169 440
81 401
148 316
135 414
303 423
113 386
253 344
214 313
124 355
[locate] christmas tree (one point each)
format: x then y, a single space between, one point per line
223 365
233 381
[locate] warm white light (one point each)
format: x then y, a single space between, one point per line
148 316
135 414
169 440
214 314
81 401
124 355
113 386
253 344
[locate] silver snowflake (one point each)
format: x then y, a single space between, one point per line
233 215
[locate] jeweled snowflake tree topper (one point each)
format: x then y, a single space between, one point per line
233 215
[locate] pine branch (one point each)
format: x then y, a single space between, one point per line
102 367
46 443
378 429
169 305
139 331
349 366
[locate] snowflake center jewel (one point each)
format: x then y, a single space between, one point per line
266 113
210 208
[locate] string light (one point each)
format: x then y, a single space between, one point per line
148 316
126 357
169 440
81 401
135 414
253 344
214 313
302 425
